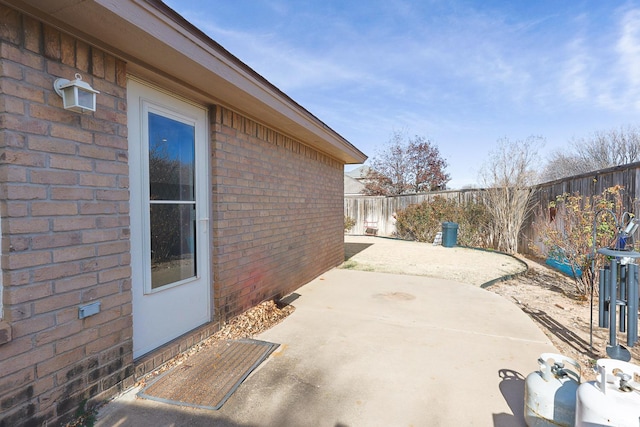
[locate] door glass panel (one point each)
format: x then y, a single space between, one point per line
171 159
172 204
173 242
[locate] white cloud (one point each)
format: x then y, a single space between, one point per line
628 47
575 71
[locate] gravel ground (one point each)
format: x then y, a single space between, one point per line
460 264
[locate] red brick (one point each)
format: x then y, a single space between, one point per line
72 224
32 34
113 248
18 346
22 124
58 362
12 173
57 271
68 50
71 133
78 340
66 315
17 209
71 193
76 282
24 57
94 180
112 168
114 274
112 195
20 90
95 152
57 240
23 158
51 42
95 236
103 343
98 208
59 332
97 62
97 292
73 253
19 294
51 145
53 114
100 264
32 325
115 301
25 192
53 208
54 303
12 105
70 163
102 318
17 380
112 141
53 177
16 261
26 225
123 324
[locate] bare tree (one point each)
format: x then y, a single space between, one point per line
407 165
508 176
600 150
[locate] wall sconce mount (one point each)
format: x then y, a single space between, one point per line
76 95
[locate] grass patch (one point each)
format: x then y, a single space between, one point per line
353 265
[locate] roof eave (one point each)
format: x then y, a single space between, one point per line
152 36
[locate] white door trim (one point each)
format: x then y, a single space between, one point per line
162 315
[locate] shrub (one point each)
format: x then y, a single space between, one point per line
348 223
422 221
569 232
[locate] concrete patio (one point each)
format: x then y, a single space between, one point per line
376 349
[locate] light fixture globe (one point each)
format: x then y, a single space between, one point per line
76 95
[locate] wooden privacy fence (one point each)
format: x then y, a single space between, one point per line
379 210
587 184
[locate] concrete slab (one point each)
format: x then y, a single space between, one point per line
376 349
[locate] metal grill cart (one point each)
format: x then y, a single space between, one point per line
618 286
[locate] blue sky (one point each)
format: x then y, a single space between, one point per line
462 73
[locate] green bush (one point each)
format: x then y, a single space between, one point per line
348 223
422 221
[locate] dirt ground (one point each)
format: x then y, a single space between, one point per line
548 297
545 295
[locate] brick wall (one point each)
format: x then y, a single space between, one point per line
65 218
277 213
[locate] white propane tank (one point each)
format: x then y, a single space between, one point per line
550 393
613 399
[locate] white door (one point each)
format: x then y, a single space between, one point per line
169 216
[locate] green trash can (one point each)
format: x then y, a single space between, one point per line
449 234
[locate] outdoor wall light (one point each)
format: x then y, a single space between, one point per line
76 95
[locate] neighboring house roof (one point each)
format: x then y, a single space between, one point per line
359 173
156 41
352 186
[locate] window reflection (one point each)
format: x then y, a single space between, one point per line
172 204
173 241
171 159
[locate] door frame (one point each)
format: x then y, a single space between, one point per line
144 93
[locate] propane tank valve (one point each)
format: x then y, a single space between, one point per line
624 382
558 370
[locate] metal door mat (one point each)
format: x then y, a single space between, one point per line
208 378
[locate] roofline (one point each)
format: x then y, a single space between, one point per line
155 40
